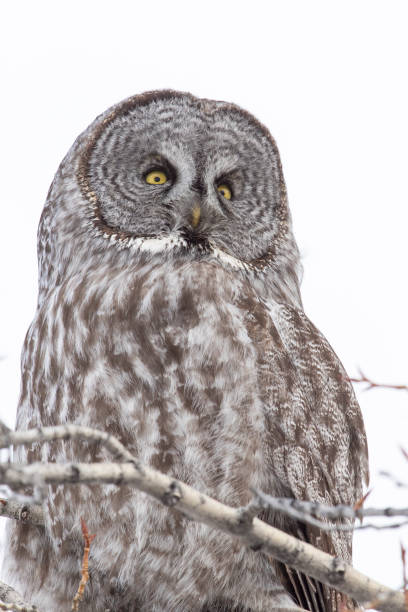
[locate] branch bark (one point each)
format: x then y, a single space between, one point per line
64 432
306 511
11 600
240 523
26 513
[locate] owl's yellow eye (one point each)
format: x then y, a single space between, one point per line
156 177
225 191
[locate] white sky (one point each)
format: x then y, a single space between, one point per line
328 78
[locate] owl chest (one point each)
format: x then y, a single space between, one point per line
177 383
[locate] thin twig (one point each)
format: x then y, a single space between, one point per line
360 503
311 512
84 573
374 385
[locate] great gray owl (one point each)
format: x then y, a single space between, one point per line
169 315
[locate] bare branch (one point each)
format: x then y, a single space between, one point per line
370 384
376 603
65 432
303 511
311 512
252 532
17 607
11 600
26 513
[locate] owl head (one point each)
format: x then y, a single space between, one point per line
166 174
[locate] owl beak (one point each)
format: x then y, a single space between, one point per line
195 216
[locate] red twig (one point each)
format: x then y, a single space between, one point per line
374 385
84 573
360 503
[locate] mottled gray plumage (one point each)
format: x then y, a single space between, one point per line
187 340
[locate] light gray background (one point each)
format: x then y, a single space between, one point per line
330 81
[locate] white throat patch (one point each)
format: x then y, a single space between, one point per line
172 242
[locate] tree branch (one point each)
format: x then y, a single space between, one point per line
11 600
26 513
370 384
84 572
252 532
306 511
64 432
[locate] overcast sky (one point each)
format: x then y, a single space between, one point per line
330 80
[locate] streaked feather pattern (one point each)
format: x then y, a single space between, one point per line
195 352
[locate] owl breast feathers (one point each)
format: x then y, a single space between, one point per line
169 315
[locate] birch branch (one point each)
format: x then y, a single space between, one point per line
26 513
303 511
240 523
11 600
64 432
310 513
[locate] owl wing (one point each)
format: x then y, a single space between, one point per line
317 444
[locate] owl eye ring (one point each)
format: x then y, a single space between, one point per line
156 177
225 191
